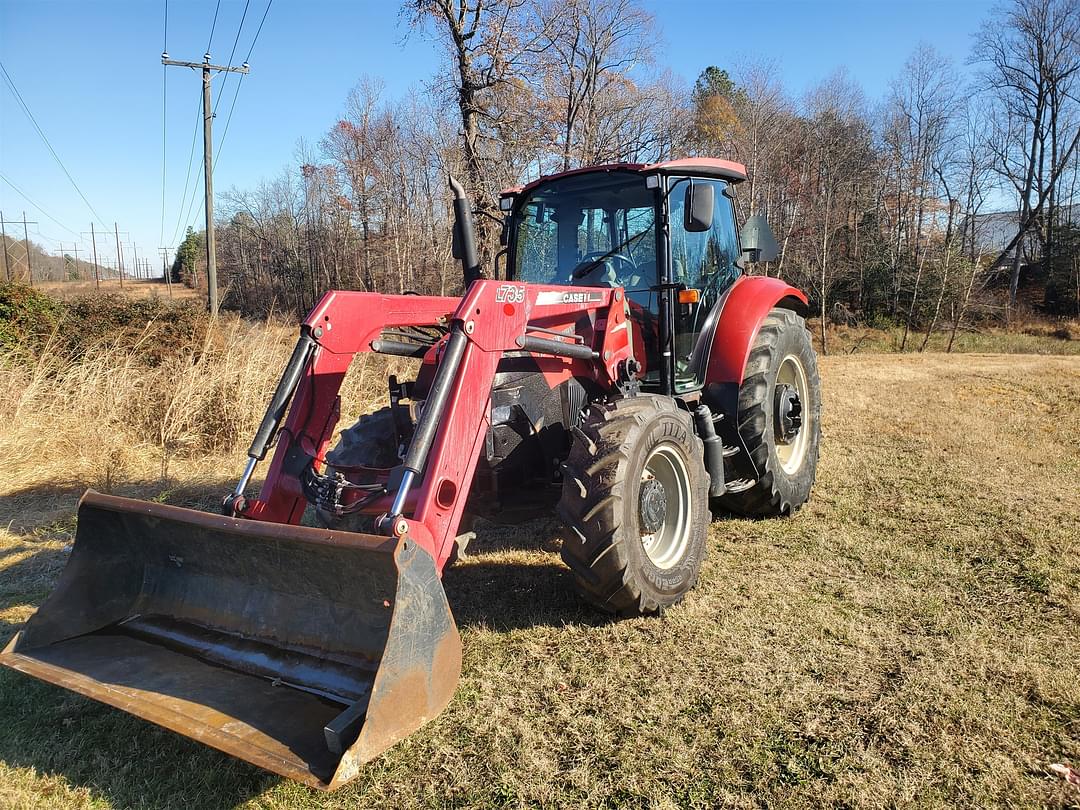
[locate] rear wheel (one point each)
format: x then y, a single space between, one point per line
635 500
370 442
779 418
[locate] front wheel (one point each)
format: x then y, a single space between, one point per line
635 500
779 418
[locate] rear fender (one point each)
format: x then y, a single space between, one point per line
743 310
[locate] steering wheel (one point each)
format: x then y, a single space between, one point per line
624 267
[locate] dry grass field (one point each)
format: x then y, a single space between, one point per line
133 288
911 638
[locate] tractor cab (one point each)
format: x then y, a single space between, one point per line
666 232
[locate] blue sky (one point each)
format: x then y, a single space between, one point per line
90 72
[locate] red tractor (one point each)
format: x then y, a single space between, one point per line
621 367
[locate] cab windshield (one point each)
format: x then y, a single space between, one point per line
591 230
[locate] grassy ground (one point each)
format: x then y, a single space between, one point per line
1029 337
911 638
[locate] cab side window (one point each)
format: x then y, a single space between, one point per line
705 260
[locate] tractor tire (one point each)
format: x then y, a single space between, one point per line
370 442
779 419
635 501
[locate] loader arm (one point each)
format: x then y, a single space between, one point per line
309 651
425 502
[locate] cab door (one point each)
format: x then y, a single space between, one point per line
703 266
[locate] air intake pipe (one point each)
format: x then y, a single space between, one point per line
464 248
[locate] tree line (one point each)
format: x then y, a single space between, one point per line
952 199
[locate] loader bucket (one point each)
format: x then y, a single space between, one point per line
304 651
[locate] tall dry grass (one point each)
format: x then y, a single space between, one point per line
108 416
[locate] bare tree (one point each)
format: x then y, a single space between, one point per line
491 45
1030 61
974 169
838 154
593 49
922 104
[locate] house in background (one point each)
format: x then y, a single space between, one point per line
993 231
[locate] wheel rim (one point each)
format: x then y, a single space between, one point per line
791 419
664 507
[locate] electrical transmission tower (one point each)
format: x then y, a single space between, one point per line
26 247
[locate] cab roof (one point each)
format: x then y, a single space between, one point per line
697 166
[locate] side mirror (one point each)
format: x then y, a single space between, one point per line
757 240
698 207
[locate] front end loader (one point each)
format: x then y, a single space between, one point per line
621 369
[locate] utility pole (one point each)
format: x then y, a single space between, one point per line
135 250
165 274
119 255
26 245
7 267
93 243
75 251
208 165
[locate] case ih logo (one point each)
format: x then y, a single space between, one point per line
551 297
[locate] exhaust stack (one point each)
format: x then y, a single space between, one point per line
464 235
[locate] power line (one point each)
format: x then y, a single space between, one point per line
232 106
38 232
232 53
24 195
213 25
30 115
258 31
187 176
191 205
228 120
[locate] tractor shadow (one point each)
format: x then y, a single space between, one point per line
505 596
511 578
